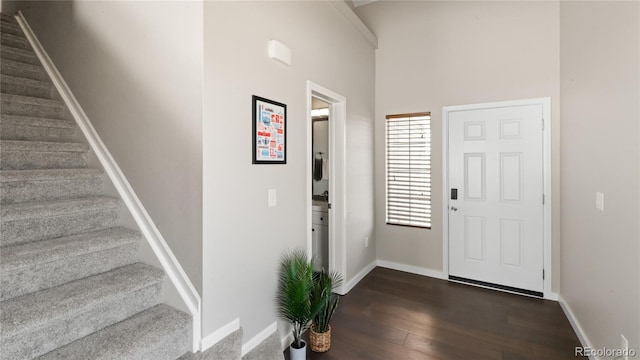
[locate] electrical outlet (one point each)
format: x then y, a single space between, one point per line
366 241
625 347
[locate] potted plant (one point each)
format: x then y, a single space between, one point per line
294 297
323 297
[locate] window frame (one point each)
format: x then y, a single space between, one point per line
428 184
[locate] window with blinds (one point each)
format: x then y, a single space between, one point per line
408 153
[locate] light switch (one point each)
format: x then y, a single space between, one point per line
600 201
272 197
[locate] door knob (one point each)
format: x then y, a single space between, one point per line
453 208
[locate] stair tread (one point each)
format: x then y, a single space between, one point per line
12 36
11 46
18 51
18 211
26 145
22 65
48 174
32 100
11 24
24 81
12 40
11 28
126 339
36 121
25 255
6 18
32 311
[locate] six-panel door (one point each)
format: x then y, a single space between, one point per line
496 223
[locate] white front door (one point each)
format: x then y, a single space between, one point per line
496 217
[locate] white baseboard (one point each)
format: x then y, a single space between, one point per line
575 324
411 269
147 227
359 276
221 333
551 296
259 338
286 341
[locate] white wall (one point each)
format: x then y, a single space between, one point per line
439 53
136 69
243 238
600 89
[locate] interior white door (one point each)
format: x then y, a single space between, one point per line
496 222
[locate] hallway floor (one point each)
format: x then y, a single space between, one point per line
392 315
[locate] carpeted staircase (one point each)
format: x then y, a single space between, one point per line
70 283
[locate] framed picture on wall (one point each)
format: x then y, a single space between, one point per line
269 125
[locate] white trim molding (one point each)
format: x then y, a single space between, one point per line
259 338
582 336
359 276
221 333
337 181
552 296
548 196
146 225
411 269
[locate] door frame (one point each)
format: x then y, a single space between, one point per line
337 177
547 208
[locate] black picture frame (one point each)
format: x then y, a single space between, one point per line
269 131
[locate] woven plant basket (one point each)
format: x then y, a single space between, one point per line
320 342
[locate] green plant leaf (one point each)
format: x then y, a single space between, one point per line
324 301
294 292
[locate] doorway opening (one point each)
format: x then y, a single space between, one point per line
320 183
326 227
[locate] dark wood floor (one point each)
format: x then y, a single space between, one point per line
395 315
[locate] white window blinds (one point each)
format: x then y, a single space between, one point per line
408 145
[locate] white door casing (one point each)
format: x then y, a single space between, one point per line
497 230
337 228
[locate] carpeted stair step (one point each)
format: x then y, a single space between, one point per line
35 324
34 221
31 106
11 40
19 55
229 348
23 70
10 28
35 133
36 129
159 333
26 87
18 186
6 18
25 155
37 121
40 265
